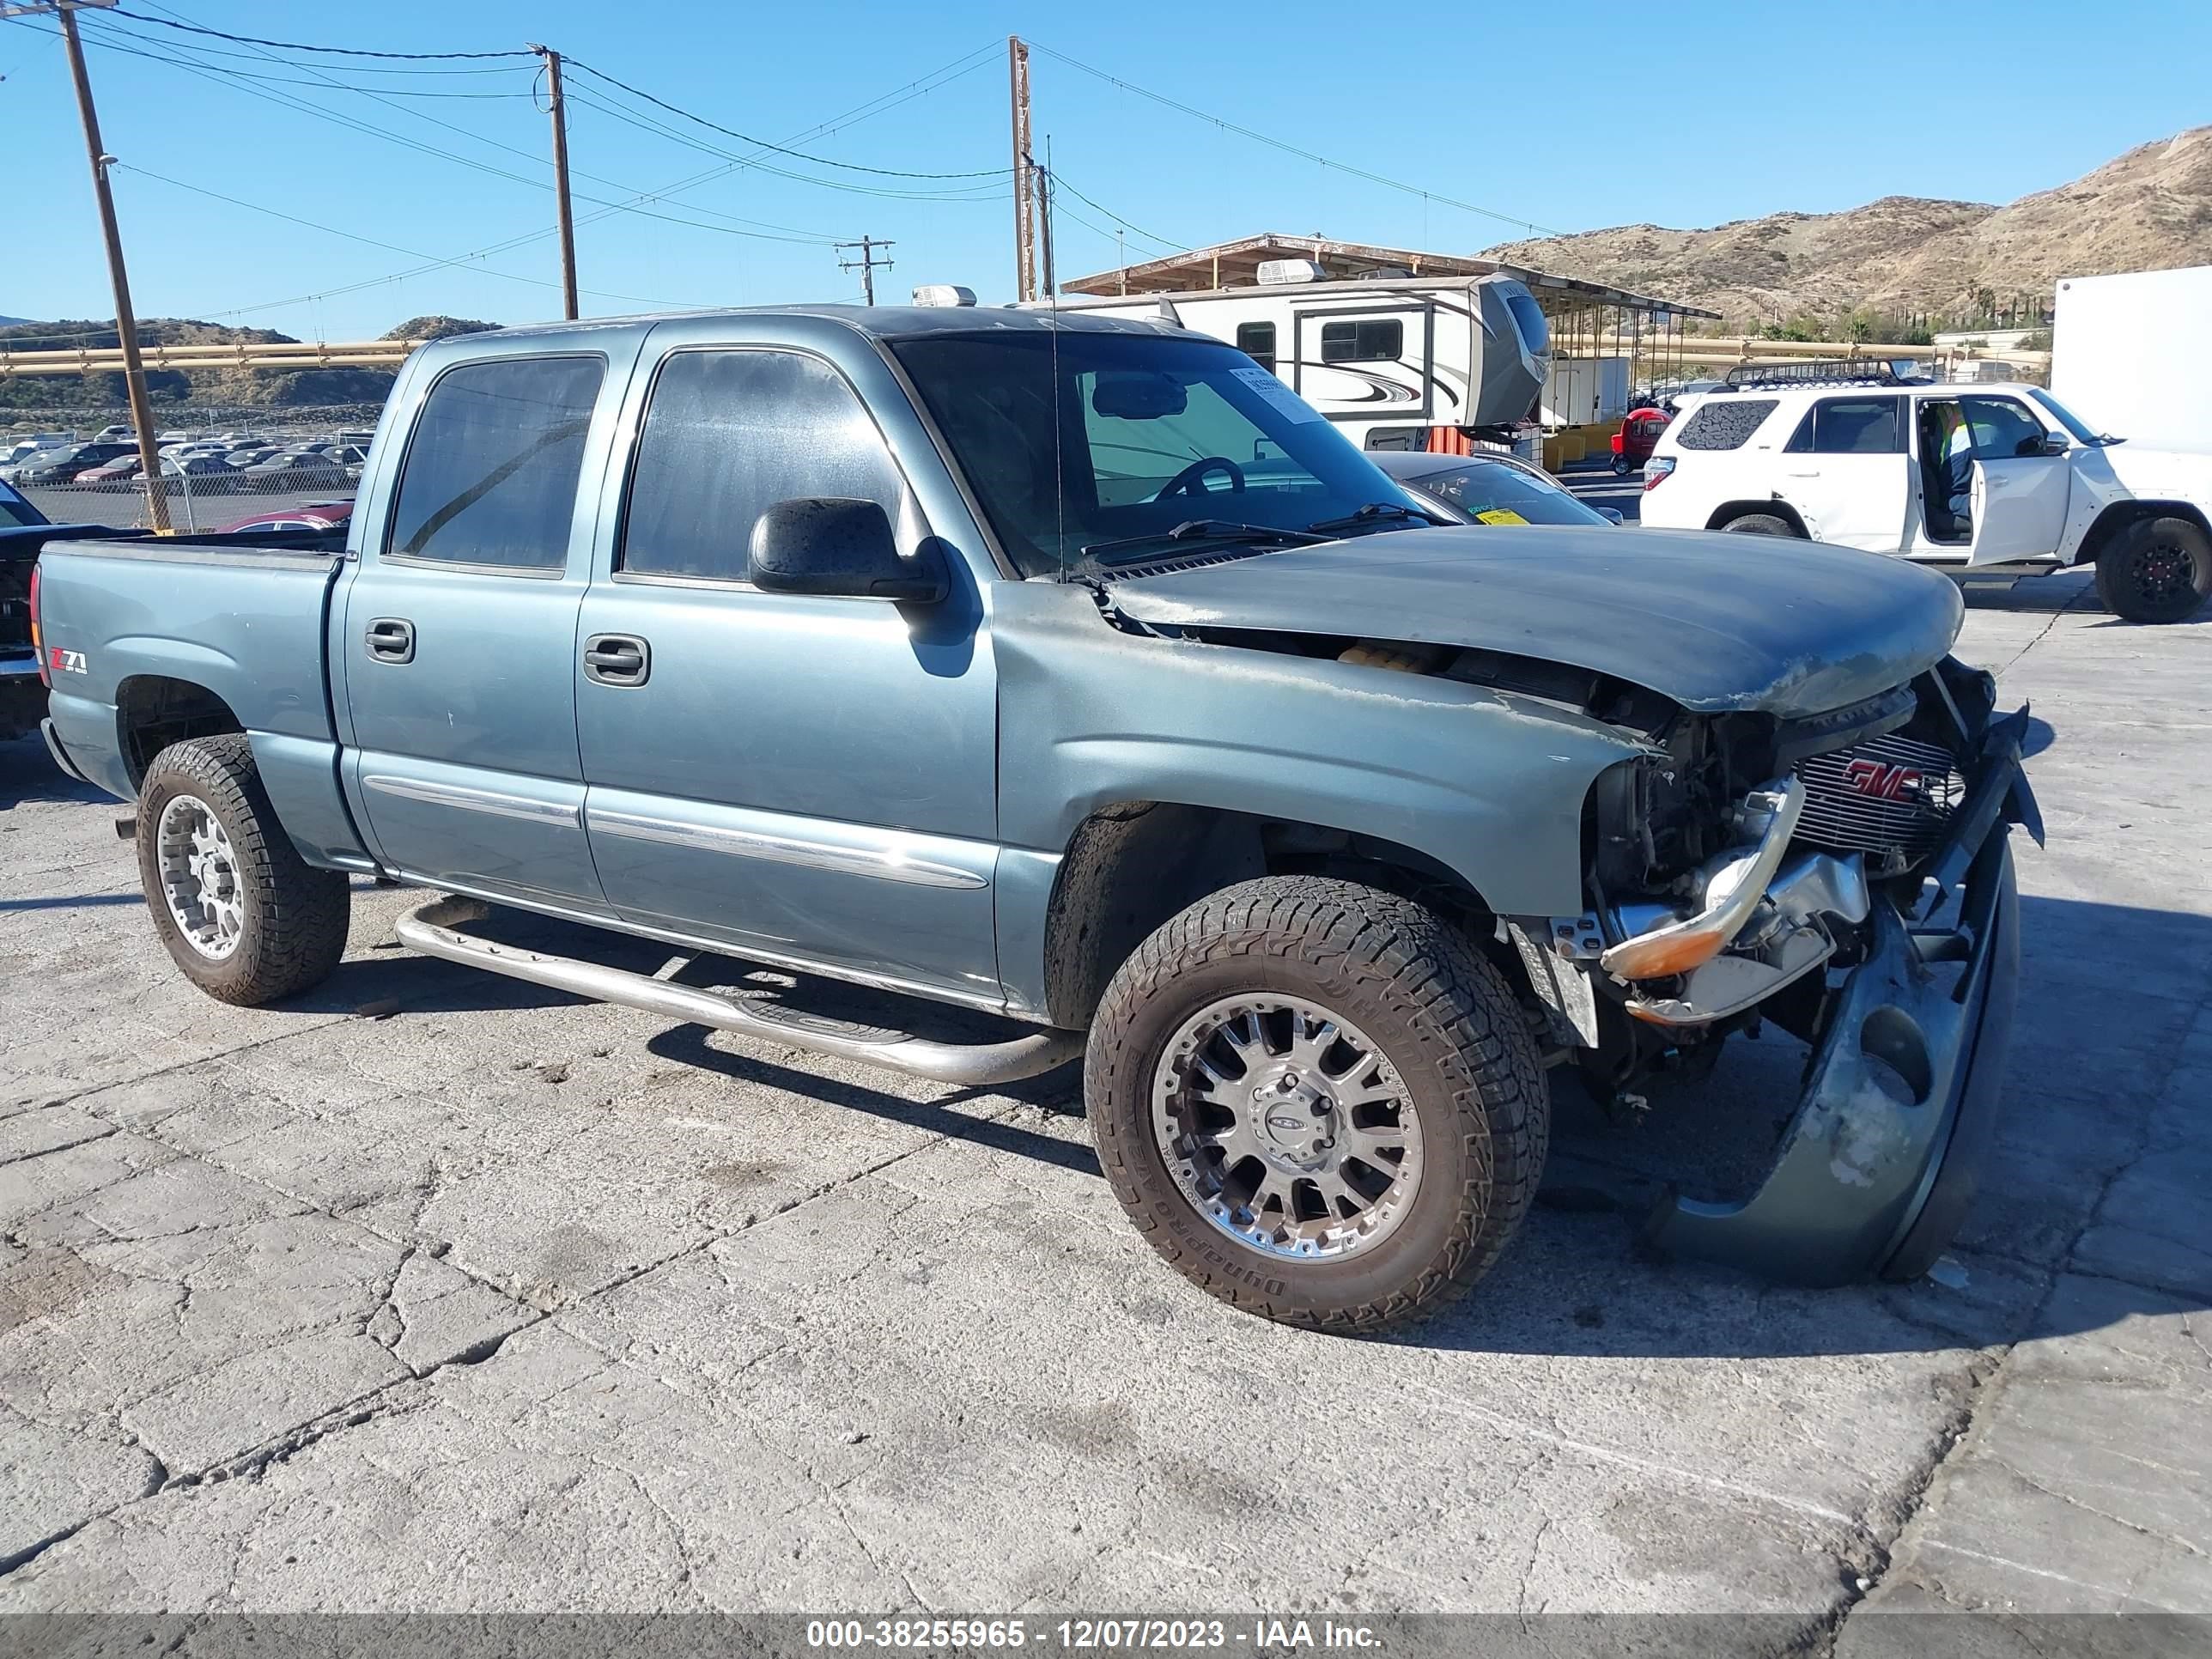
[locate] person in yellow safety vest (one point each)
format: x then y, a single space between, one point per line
1955 456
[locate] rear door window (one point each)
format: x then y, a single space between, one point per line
491 468
1725 422
1850 426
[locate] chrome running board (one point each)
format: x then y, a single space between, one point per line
433 929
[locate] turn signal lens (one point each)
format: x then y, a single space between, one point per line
1655 470
1666 955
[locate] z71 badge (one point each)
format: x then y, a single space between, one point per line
59 661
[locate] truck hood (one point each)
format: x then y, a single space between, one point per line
1717 622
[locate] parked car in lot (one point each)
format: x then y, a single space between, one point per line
296 469
125 471
1074 670
2025 488
22 697
320 516
1488 489
58 466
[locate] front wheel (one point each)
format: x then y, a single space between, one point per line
1760 524
1317 1102
2157 571
1622 467
248 919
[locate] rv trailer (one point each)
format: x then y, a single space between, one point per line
1392 361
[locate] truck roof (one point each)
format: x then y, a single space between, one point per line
878 322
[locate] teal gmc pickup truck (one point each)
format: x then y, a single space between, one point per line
1074 670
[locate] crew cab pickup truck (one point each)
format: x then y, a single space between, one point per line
1992 479
1074 670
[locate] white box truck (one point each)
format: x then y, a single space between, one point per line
2132 354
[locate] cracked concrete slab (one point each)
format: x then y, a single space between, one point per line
492 1299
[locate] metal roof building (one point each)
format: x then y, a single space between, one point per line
1236 265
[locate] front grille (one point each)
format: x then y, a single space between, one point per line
1889 798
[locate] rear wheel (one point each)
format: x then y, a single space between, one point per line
248 919
1760 524
1317 1103
2157 571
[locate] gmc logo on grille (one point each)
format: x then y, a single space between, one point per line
1868 777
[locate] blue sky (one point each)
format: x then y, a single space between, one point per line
1688 114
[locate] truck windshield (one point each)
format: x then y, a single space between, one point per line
1120 438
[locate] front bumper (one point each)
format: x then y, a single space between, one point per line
1880 1162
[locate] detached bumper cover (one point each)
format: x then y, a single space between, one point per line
1880 1162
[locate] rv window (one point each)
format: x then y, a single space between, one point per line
1257 342
1380 340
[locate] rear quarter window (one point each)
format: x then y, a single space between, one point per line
1724 422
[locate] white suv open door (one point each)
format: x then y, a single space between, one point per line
2020 492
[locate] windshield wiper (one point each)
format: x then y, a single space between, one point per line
1375 513
1207 530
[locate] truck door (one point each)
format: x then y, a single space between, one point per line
810 780
1845 470
2020 491
460 634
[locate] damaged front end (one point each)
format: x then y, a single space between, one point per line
1847 877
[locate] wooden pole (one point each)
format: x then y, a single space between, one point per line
560 113
126 320
1018 78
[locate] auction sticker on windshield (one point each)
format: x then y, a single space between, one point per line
1285 400
1498 515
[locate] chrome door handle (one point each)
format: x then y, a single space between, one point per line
618 659
390 639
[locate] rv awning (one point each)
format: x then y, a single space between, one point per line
1236 265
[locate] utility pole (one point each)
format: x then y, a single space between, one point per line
126 320
1017 75
1044 182
866 264
560 113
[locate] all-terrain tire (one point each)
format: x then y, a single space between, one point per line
1443 1017
1761 524
293 917
2157 571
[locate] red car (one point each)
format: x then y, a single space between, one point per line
1633 444
319 515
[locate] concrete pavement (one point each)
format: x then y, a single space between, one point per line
436 1291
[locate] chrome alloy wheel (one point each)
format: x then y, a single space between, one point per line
1286 1127
199 877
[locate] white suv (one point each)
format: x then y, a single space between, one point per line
1863 465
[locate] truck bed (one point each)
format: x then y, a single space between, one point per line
219 632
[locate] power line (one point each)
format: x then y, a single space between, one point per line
1227 125
644 124
1061 179
370 241
294 46
228 77
762 144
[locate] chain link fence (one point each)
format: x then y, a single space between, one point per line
211 478
197 502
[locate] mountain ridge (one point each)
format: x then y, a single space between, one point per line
2150 209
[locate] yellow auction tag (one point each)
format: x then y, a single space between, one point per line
1499 515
